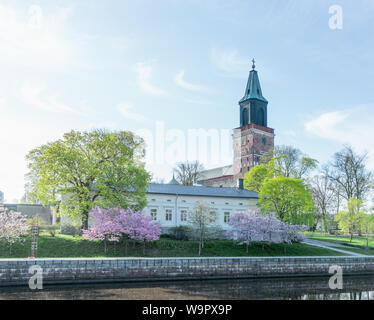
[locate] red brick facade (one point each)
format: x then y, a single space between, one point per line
250 142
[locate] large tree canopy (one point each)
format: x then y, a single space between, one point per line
352 219
289 199
87 169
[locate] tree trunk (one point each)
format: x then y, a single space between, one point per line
143 247
85 220
126 246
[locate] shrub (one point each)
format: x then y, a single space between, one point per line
180 233
51 229
36 220
69 229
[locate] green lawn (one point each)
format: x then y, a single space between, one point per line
70 246
361 251
356 240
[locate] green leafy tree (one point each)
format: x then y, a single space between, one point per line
289 199
367 226
255 178
87 169
351 220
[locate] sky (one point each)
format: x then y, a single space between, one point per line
166 68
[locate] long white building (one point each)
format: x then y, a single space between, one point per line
171 203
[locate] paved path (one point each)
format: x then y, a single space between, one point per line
331 246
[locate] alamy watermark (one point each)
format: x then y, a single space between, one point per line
336 280
336 18
36 280
35 17
167 146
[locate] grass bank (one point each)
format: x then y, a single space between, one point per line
64 246
356 240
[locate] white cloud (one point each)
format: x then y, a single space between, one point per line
126 111
144 73
230 62
31 36
353 127
179 80
40 98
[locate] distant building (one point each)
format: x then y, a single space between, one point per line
32 210
250 141
1 196
171 204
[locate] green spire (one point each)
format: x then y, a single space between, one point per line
253 89
173 181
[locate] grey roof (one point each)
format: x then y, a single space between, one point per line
155 188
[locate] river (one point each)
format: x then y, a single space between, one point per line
354 288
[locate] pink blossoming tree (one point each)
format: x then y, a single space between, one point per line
116 223
12 226
251 226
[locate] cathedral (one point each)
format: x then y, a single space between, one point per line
251 140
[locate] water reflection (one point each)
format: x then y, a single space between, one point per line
354 288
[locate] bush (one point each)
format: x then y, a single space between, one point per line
36 220
180 233
69 229
51 229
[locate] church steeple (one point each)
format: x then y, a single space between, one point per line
253 105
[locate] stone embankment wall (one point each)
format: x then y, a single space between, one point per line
16 271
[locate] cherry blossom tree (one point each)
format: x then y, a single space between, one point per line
105 225
117 223
12 226
251 226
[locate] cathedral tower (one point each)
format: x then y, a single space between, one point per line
253 138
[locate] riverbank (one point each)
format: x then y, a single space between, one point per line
74 271
65 246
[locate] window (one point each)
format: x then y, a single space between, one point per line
226 217
154 214
169 200
168 214
183 215
240 204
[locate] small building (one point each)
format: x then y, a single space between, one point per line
31 210
171 203
1 196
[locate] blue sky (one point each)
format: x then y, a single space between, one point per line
127 64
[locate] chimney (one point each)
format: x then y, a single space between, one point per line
241 184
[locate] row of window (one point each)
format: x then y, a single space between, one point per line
226 203
184 215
